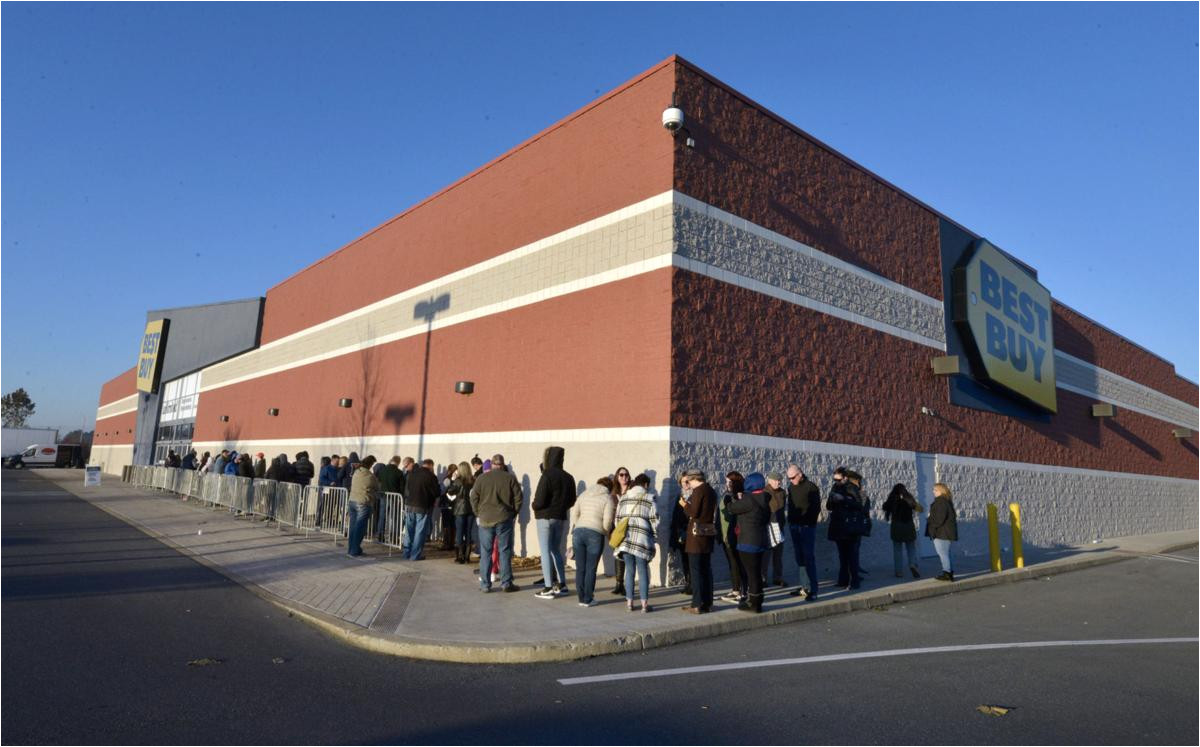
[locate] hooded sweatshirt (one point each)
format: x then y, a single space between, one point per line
555 492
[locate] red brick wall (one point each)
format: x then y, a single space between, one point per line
841 382
596 358
119 387
1077 336
754 165
609 155
118 429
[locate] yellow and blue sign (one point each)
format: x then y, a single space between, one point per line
154 343
1004 315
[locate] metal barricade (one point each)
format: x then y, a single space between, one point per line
265 492
238 493
324 510
387 523
289 497
212 489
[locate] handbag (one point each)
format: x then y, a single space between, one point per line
776 533
618 533
702 529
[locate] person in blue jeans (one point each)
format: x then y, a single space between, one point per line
592 518
638 547
554 497
803 511
421 492
496 501
364 493
942 528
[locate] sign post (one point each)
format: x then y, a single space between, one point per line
91 475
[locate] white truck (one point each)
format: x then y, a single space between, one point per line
17 440
49 455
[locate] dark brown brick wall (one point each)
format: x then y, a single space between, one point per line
754 165
747 363
1077 336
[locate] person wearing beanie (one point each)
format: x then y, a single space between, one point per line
260 465
753 512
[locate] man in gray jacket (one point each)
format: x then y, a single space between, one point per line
496 499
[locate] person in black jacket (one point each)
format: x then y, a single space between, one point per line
942 528
421 491
302 469
803 509
346 475
844 504
554 497
899 509
753 511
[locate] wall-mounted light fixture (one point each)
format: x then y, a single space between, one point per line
224 418
1103 410
273 411
464 387
945 365
345 402
1182 433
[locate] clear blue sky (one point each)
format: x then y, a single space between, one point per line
159 155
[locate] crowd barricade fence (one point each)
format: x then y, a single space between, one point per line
309 508
286 502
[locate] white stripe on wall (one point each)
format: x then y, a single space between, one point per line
117 407
641 267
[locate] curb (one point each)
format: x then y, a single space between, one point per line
562 650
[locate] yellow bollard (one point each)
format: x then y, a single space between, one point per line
1014 515
993 537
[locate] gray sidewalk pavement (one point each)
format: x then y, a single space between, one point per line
433 609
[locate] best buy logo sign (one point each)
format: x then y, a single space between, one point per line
1003 314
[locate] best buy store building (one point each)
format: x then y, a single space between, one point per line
733 296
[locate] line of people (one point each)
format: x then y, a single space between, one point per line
478 503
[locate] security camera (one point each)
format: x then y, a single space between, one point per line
673 118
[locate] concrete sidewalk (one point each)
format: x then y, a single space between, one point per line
433 609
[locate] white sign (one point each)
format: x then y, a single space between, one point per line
91 476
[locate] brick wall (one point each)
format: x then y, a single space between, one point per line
610 154
754 165
119 387
748 363
596 358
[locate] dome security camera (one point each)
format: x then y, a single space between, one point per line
672 119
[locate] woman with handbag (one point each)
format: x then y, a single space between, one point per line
701 508
753 512
899 509
638 511
592 522
620 486
942 528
